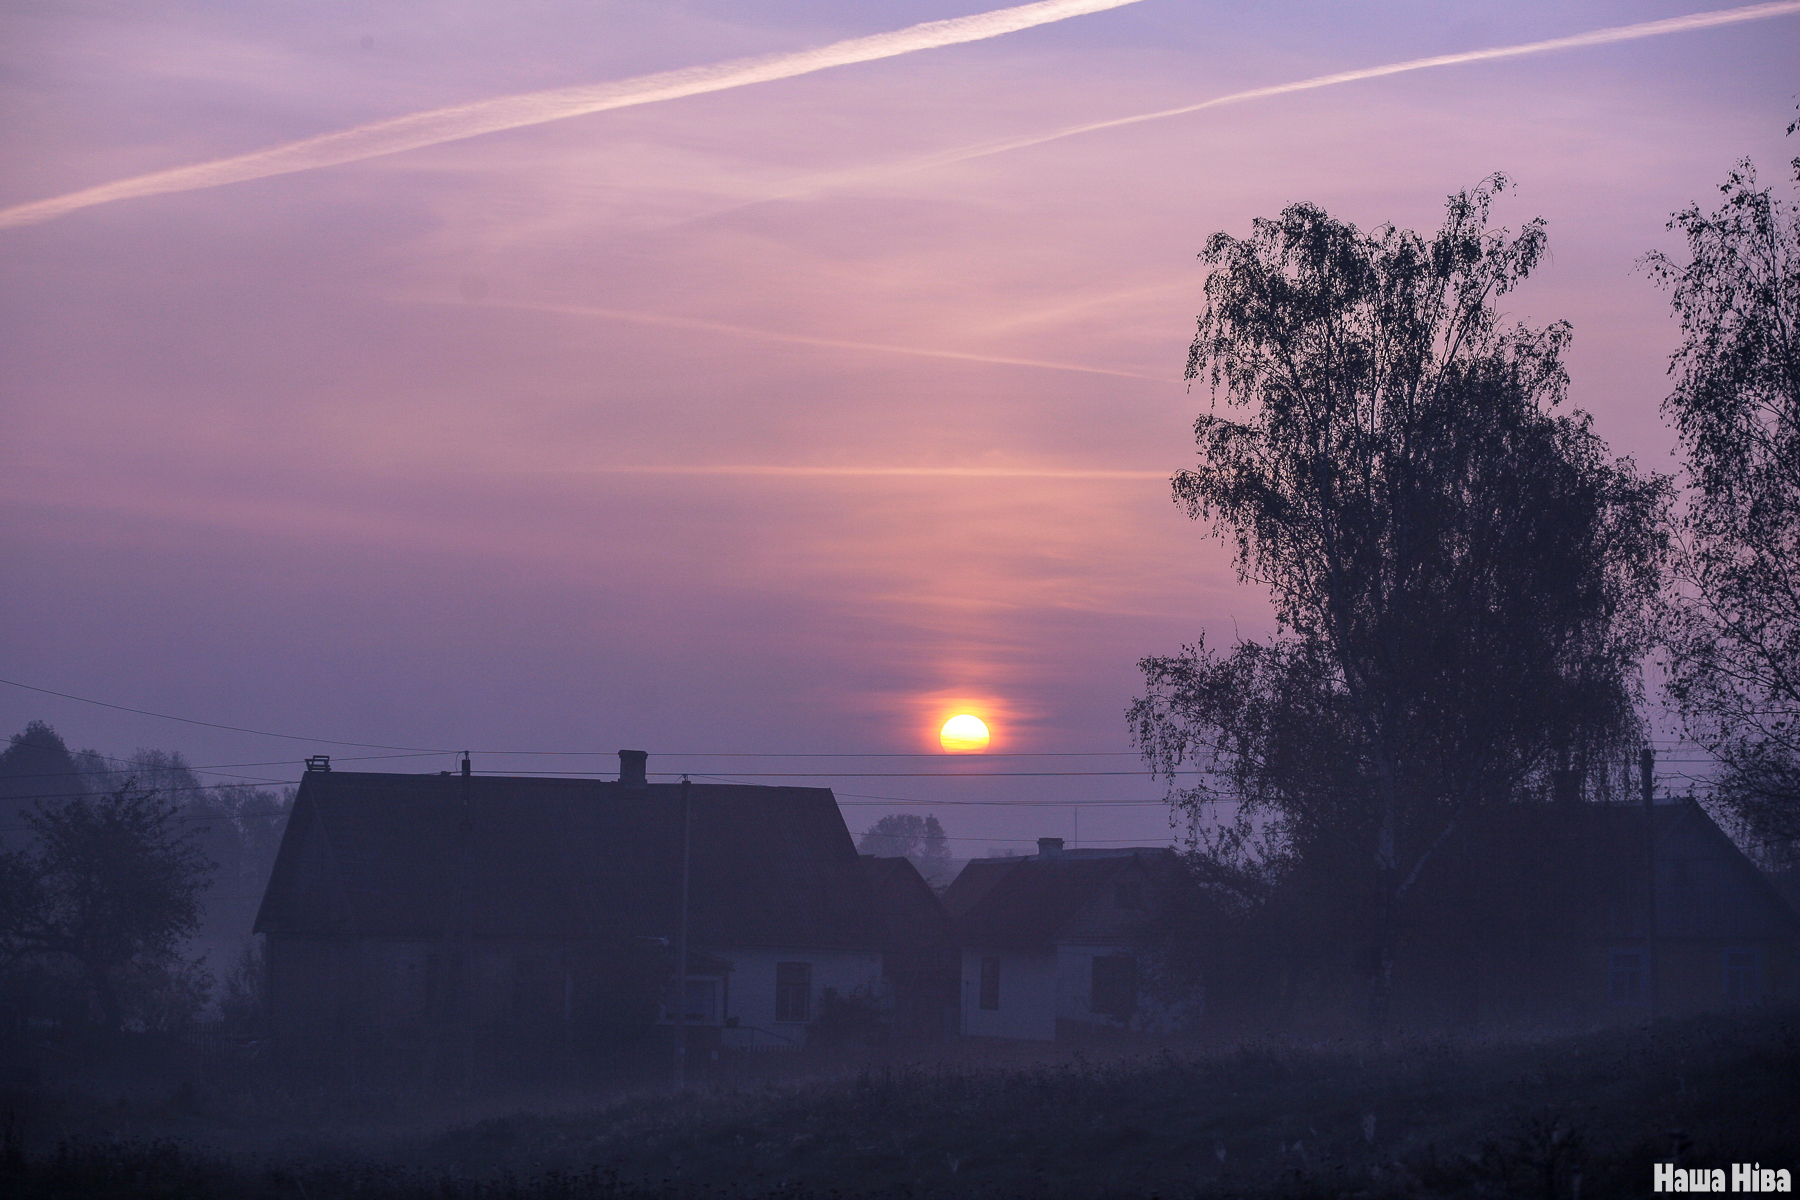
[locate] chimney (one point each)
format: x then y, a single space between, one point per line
1049 847
631 768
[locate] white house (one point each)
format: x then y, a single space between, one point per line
1049 941
413 916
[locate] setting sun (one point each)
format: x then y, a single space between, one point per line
964 731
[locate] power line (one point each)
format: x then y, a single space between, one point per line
211 768
422 751
144 712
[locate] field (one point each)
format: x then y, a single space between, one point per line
1578 1117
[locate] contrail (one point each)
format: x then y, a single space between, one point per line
534 108
802 339
1597 37
863 472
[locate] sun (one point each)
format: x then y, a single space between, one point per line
964 731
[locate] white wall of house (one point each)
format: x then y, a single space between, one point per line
1027 995
752 984
1037 991
1075 985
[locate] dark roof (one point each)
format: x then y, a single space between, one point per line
1026 903
406 856
1586 866
912 916
1705 886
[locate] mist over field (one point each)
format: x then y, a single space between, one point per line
1097 598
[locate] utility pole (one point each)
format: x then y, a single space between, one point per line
465 971
681 939
1647 772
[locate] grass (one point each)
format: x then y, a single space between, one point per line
1583 1115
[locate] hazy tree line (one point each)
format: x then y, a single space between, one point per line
128 887
1467 584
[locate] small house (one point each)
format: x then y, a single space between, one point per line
1541 914
1049 941
437 919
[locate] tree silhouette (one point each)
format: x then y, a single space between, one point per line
908 835
1734 629
1461 577
109 884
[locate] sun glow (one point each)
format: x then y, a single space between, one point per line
964 731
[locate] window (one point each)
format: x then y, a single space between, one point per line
1743 976
990 984
793 991
702 1000
1114 991
1625 977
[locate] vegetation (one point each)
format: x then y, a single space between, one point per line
1462 578
1577 1116
110 885
1734 636
908 835
119 878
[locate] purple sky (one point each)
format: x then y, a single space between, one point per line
743 421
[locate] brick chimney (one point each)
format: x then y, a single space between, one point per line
1050 847
631 768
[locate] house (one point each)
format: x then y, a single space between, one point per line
920 959
1725 937
1537 913
1049 941
438 919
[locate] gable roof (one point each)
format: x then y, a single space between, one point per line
558 860
1580 869
1030 903
1706 888
912 916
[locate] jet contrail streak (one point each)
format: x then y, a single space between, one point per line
534 108
802 339
1597 37
862 472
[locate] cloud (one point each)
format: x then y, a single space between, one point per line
430 128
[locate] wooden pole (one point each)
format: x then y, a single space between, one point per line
1647 772
465 973
681 941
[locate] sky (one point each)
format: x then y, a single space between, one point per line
750 426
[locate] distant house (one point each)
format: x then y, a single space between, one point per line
1539 913
1725 937
419 916
920 958
1049 941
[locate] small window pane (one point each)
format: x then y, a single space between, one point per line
793 991
701 999
1114 986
